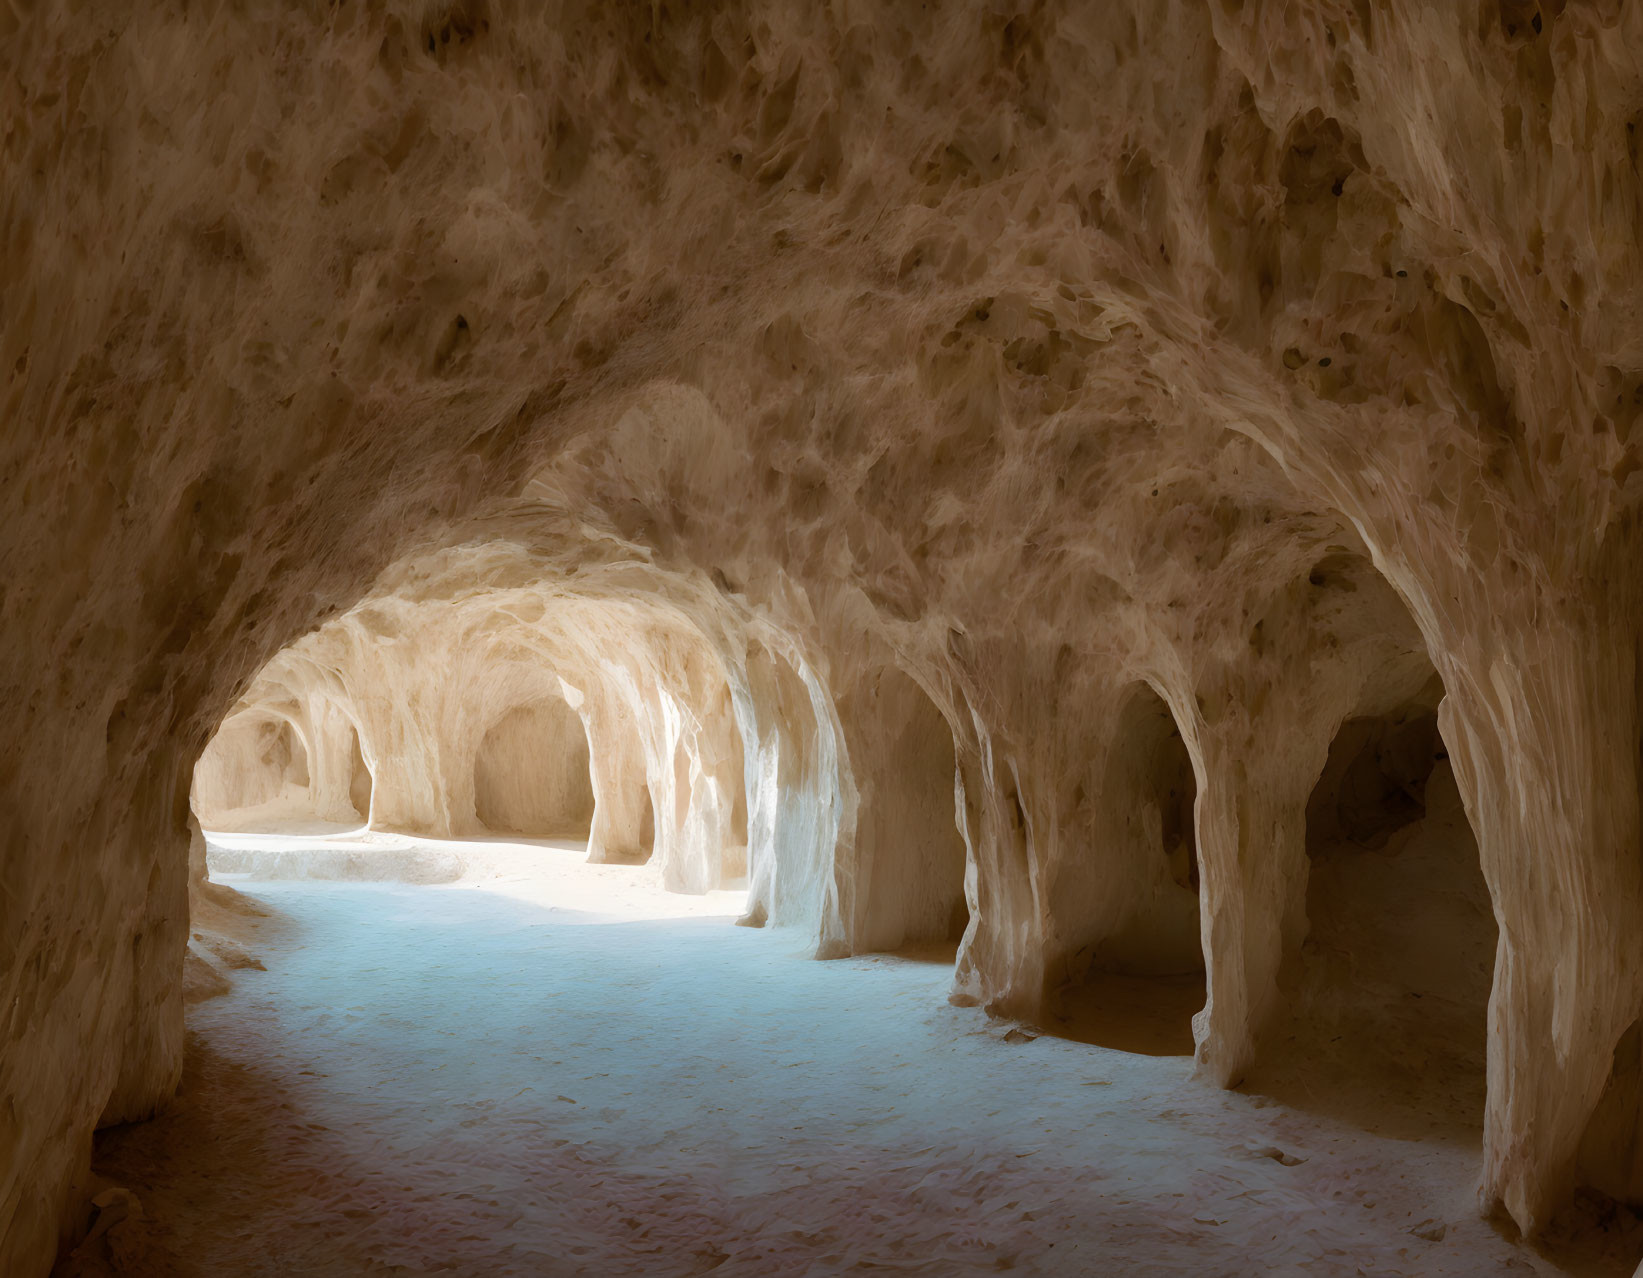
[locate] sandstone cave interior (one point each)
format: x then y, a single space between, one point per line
760 639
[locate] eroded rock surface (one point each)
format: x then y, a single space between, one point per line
1264 359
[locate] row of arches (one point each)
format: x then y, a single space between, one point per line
628 725
531 773
863 814
1384 992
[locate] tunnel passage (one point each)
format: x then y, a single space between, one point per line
1125 909
255 770
526 712
1389 993
531 773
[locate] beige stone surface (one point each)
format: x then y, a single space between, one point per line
799 361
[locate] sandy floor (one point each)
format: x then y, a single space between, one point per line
548 1068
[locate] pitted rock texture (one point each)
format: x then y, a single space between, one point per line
1270 358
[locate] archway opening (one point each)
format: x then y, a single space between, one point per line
531 773
906 831
1389 993
253 774
527 714
1129 971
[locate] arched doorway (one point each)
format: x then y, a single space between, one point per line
1127 966
1390 991
906 831
253 771
531 773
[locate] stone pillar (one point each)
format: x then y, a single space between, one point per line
1543 737
418 739
616 766
1251 826
330 739
1001 958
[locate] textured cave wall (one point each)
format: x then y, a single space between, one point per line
1049 352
